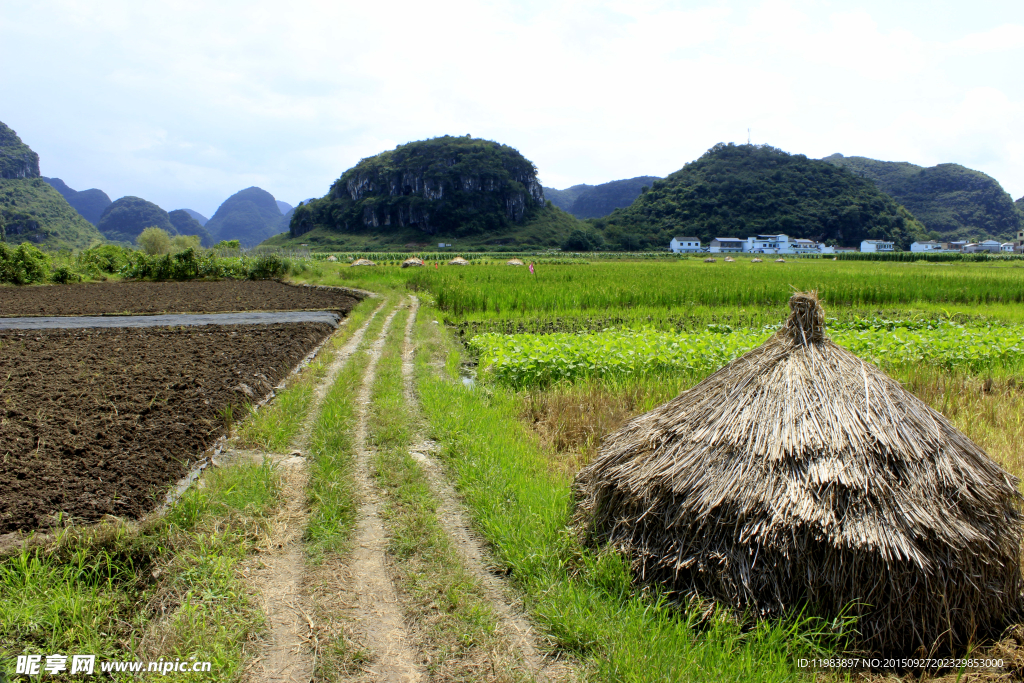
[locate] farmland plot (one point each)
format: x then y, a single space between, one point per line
101 422
100 298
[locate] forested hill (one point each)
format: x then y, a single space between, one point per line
31 210
742 190
602 199
250 216
594 201
949 199
89 203
563 199
452 185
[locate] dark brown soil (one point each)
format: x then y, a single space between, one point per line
96 422
98 298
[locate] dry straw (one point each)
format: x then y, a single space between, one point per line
801 475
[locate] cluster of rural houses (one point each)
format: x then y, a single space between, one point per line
784 244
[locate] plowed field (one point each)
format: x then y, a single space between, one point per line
96 422
101 298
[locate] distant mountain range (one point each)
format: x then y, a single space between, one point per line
249 216
497 201
951 200
594 201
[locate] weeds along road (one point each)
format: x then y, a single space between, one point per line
370 571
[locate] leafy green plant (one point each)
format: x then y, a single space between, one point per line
64 274
23 265
529 360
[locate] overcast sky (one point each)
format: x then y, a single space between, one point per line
185 103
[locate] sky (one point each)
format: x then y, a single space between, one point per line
186 103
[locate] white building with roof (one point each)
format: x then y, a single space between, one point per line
988 246
725 245
768 244
682 245
875 246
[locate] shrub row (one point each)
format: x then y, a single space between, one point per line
26 264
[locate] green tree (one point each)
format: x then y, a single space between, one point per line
185 242
154 241
583 240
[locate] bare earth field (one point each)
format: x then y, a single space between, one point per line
96 422
99 298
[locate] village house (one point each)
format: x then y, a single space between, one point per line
1007 247
723 245
989 246
872 246
681 245
768 244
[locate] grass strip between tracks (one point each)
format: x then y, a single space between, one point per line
274 426
457 627
584 599
334 504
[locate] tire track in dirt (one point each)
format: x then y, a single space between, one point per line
287 655
379 623
512 622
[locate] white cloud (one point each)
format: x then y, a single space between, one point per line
185 103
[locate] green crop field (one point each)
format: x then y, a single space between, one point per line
510 291
528 360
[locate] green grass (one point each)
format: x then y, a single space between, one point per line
273 427
457 625
169 588
585 599
331 493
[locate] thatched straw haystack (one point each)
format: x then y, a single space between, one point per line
780 260
412 262
709 260
729 259
801 475
363 262
332 258
458 261
756 260
514 262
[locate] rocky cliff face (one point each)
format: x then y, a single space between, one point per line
17 160
458 185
